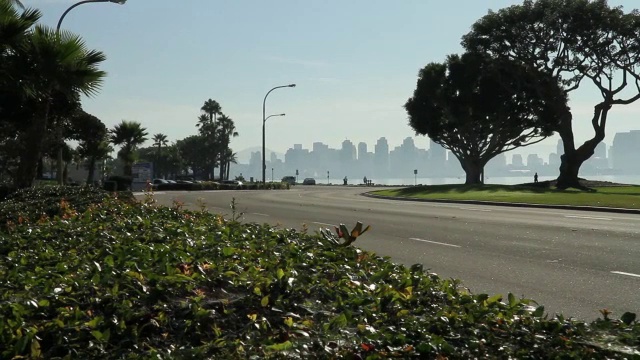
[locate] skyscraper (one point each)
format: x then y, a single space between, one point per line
381 157
625 150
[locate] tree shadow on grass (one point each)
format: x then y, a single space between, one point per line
462 188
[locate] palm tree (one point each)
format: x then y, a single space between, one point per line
230 157
49 63
14 25
159 140
212 109
128 134
227 130
94 152
17 3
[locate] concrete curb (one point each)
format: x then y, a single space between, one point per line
496 203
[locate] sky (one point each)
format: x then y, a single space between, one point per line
355 63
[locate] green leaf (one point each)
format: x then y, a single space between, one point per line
494 299
338 322
628 318
109 260
98 335
512 300
288 321
280 274
539 312
228 251
265 301
280 347
36 352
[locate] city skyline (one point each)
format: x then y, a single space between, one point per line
383 160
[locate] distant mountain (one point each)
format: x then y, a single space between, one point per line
245 155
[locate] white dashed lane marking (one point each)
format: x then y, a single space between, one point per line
435 242
625 273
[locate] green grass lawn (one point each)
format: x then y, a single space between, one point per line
610 196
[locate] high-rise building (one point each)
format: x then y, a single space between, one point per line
516 160
381 158
534 161
362 150
625 150
560 148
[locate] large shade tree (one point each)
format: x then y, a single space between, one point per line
479 107
575 41
128 135
191 151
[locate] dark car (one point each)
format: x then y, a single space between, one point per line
291 180
309 181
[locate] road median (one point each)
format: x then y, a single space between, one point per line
617 199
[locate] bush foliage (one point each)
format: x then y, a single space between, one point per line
123 280
32 204
210 185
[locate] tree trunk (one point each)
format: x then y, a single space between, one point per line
40 171
128 169
228 167
29 158
572 159
473 169
92 168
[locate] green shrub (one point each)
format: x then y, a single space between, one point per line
32 204
138 281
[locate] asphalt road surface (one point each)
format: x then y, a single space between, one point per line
572 262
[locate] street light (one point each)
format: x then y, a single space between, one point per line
120 2
264 120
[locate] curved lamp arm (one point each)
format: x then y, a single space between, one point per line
85 2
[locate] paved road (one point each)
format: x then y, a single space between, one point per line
572 262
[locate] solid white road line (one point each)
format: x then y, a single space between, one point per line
259 214
325 224
625 273
587 217
435 242
472 209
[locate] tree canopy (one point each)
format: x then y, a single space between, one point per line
478 107
573 41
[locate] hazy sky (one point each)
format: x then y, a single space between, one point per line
355 63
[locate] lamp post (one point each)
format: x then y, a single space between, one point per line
264 120
121 2
271 174
327 177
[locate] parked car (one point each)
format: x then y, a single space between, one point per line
291 180
157 183
237 183
309 181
